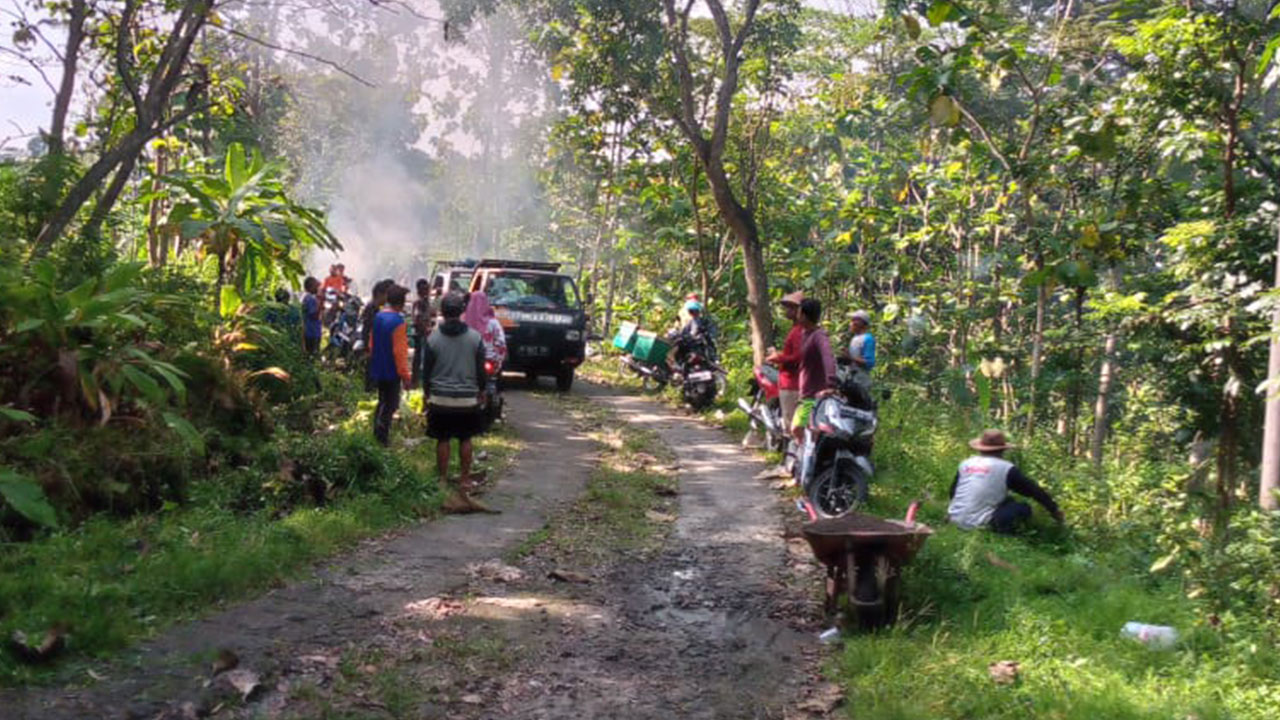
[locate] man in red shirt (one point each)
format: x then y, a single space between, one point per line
817 366
788 361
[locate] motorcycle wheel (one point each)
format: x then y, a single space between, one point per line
700 396
833 495
653 383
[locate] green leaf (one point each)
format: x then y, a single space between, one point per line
940 12
236 172
145 384
229 301
913 26
28 325
27 498
15 415
185 430
944 111
1268 52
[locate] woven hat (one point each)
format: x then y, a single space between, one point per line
794 298
990 441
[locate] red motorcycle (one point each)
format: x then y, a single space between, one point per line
765 408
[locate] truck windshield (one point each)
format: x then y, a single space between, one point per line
533 290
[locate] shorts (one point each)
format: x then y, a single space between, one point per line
803 412
449 423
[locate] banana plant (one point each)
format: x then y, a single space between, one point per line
243 217
84 349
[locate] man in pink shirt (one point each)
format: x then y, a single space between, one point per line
788 361
817 366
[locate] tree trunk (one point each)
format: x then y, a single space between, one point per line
1270 480
744 228
66 88
1105 375
110 197
84 188
1037 353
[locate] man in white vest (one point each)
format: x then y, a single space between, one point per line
980 493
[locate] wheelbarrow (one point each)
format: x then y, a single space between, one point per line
864 555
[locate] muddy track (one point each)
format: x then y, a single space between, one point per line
714 627
717 624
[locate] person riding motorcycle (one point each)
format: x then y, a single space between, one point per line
699 331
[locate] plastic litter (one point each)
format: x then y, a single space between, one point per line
1156 637
829 635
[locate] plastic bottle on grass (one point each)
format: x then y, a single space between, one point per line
1156 637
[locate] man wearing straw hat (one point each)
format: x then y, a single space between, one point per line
980 493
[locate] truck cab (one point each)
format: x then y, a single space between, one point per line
542 314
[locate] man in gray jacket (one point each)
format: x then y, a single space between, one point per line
980 493
453 386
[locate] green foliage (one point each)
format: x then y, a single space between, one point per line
243 217
83 350
26 498
1055 601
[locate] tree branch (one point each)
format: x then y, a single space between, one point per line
299 53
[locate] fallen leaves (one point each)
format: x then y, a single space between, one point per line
569 576
55 639
1004 672
435 608
244 681
495 570
226 660
659 517
823 700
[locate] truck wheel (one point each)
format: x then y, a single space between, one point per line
531 378
564 380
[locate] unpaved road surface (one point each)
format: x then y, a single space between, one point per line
719 623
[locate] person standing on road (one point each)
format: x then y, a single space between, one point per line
481 318
817 366
980 492
367 315
453 387
423 319
311 329
788 361
389 362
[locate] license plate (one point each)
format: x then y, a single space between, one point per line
533 350
700 376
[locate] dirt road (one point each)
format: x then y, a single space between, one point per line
707 627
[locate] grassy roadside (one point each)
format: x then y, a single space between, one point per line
1053 601
114 581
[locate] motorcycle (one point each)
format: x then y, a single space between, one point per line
493 403
834 469
701 379
345 336
765 408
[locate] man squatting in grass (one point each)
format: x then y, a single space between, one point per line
389 363
980 492
453 386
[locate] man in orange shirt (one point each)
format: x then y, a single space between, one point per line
337 279
389 362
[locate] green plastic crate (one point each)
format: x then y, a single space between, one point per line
625 340
650 348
